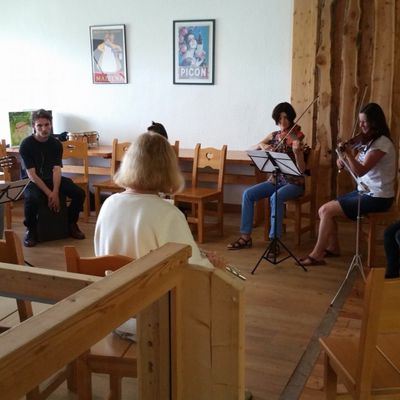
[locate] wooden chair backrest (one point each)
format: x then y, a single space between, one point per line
11 252
93 265
175 146
380 315
73 149
209 158
5 172
313 167
118 151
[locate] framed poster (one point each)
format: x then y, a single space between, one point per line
107 43
194 52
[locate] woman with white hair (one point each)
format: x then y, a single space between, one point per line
137 220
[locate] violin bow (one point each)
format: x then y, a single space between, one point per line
295 124
359 110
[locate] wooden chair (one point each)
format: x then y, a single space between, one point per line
198 195
11 252
373 223
118 152
303 207
77 150
112 355
5 175
369 366
175 146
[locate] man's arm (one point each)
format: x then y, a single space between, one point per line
54 198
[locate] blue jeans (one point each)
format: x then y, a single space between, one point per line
261 191
391 238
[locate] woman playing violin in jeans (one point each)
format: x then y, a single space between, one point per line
375 166
289 187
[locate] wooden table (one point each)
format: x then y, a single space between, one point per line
103 151
233 158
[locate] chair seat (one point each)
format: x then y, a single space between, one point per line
197 194
79 180
108 185
342 350
115 354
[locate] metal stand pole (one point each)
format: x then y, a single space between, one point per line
271 252
356 262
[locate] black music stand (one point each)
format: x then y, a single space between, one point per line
12 191
275 163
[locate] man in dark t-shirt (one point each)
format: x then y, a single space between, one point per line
41 154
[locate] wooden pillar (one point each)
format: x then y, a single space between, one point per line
340 47
303 65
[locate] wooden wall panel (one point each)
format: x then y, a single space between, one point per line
303 65
357 46
383 62
323 126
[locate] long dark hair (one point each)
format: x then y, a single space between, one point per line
376 119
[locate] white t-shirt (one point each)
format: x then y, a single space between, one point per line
380 178
134 224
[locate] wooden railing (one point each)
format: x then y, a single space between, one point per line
190 325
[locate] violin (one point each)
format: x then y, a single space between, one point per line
356 141
353 143
293 134
295 131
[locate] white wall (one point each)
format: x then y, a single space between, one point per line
45 62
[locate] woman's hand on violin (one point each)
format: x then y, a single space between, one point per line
340 164
297 146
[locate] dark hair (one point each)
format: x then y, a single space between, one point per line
41 114
376 119
158 128
286 108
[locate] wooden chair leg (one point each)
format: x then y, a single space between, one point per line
200 222
371 245
330 380
8 215
97 200
24 309
297 223
84 378
72 378
221 216
115 387
86 205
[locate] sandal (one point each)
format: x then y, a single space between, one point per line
328 253
311 262
241 243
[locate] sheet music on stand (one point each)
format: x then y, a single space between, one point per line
12 191
263 160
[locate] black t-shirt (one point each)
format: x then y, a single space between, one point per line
43 156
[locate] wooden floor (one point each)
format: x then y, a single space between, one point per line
284 304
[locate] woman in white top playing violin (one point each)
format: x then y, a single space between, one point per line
375 167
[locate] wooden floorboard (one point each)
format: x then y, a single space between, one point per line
284 304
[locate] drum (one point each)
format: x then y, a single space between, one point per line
92 138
